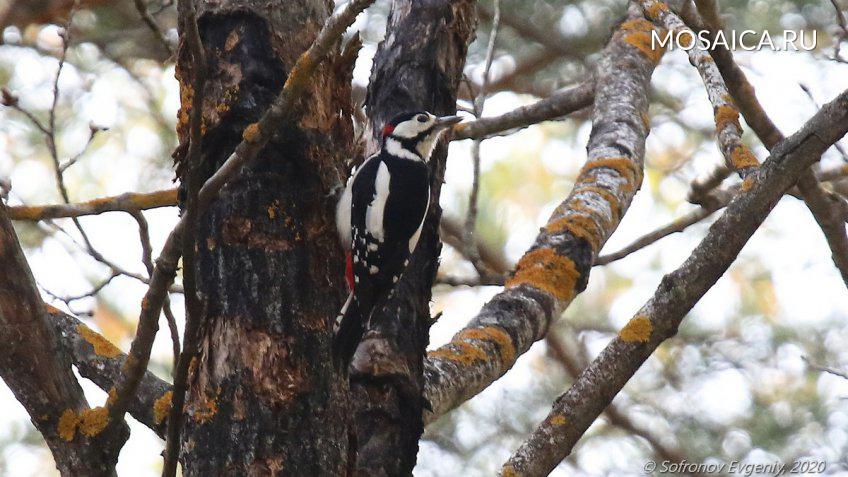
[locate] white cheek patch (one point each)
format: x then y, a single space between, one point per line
410 128
395 148
375 211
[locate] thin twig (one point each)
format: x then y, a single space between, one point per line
824 369
469 243
678 225
153 26
192 181
147 260
557 105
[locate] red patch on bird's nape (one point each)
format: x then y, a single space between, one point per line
387 129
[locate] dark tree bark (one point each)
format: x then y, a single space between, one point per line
417 67
263 395
40 376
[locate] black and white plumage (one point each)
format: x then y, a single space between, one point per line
379 217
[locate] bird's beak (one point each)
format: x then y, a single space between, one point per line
447 121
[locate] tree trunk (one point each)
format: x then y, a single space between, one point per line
417 67
263 395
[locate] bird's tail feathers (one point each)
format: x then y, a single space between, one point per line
350 326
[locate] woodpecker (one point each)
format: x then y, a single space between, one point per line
379 218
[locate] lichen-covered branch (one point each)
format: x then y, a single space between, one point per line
827 209
40 376
660 317
556 268
728 130
616 415
100 361
128 202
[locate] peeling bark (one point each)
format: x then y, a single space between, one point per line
417 66
263 395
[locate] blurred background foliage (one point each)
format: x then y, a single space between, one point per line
743 380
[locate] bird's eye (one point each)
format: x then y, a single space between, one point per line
422 118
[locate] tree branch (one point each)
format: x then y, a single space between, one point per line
826 209
557 105
660 317
556 268
40 376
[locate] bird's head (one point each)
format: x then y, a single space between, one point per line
416 131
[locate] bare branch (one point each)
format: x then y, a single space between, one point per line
557 105
153 26
469 242
677 225
824 369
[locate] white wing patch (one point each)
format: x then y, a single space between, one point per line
413 241
343 209
374 214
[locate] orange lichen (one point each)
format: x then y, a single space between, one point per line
508 471
646 120
92 421
579 226
102 346
637 33
205 410
113 395
686 38
548 271
186 98
300 72
638 329
559 420
725 115
161 407
251 132
748 183
461 352
492 334
623 165
67 427
743 158
653 11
